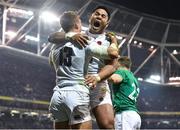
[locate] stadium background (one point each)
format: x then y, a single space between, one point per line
151 38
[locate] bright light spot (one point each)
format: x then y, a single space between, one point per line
155 77
140 79
10 34
175 52
49 17
135 42
119 37
32 38
14 111
152 47
171 78
140 44
174 79
20 12
152 81
34 113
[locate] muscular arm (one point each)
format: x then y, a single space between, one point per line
57 37
108 69
104 73
102 52
115 78
61 37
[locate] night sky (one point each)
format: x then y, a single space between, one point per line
169 9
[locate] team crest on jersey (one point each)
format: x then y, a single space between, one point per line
99 42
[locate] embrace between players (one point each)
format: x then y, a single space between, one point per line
82 63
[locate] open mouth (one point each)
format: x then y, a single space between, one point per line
96 25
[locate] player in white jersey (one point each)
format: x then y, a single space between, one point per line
70 101
100 96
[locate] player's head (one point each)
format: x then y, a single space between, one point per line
124 61
99 20
70 21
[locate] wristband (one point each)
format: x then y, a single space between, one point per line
67 38
69 35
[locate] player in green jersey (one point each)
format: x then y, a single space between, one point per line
125 94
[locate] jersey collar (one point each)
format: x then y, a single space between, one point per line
94 35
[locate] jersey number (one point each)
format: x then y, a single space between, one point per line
134 93
65 56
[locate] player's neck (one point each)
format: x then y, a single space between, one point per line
123 68
96 32
75 30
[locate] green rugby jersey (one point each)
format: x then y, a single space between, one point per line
125 93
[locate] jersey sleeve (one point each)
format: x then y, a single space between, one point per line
98 51
50 59
120 73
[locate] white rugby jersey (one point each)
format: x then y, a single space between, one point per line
71 63
97 63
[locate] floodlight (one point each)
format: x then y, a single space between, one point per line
10 34
49 17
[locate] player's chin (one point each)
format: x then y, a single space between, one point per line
96 29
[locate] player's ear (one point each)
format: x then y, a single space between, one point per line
107 23
89 20
76 26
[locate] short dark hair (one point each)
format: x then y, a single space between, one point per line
104 8
125 61
68 20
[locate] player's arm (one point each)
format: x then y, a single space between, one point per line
105 52
102 52
113 50
113 64
61 37
57 37
115 78
107 71
110 68
104 73
50 59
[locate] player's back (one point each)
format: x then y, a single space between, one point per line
69 62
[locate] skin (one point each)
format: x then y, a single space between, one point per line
98 21
116 78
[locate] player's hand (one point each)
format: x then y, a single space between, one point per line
91 81
112 37
81 39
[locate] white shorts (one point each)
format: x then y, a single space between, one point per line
100 94
127 120
70 105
